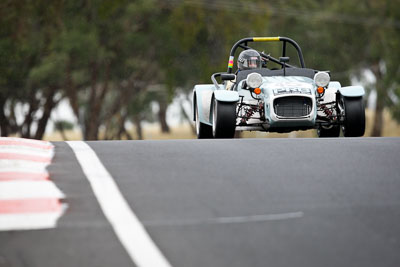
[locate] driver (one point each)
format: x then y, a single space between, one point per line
247 60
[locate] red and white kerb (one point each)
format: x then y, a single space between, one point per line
28 199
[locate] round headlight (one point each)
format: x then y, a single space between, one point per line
322 79
254 80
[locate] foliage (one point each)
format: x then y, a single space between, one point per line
107 56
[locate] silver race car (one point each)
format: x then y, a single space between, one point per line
281 99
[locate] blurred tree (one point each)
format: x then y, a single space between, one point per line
348 38
104 69
203 34
104 55
383 58
27 93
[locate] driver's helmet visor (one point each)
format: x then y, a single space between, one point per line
252 63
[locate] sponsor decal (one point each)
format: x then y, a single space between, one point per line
230 62
292 90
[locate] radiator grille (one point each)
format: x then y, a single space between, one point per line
292 106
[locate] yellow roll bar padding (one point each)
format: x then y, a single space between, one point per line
265 39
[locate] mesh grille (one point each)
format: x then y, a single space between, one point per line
292 106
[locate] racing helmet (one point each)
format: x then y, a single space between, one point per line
249 59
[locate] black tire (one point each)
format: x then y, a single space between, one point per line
223 119
203 131
354 116
334 131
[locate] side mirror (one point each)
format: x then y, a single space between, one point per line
228 76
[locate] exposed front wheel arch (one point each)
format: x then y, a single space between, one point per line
203 131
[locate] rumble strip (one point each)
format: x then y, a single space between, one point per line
28 199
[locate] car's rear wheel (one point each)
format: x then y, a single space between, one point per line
203 131
333 131
223 119
354 116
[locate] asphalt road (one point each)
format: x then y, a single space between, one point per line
242 202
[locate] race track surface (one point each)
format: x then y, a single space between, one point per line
241 202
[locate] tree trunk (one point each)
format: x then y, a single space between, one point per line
121 127
12 120
33 106
162 117
122 130
128 135
62 132
48 107
91 128
71 91
138 125
96 102
3 119
91 124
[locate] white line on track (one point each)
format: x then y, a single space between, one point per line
127 226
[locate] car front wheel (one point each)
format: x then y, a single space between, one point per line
354 116
223 119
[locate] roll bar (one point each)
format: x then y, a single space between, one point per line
243 44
